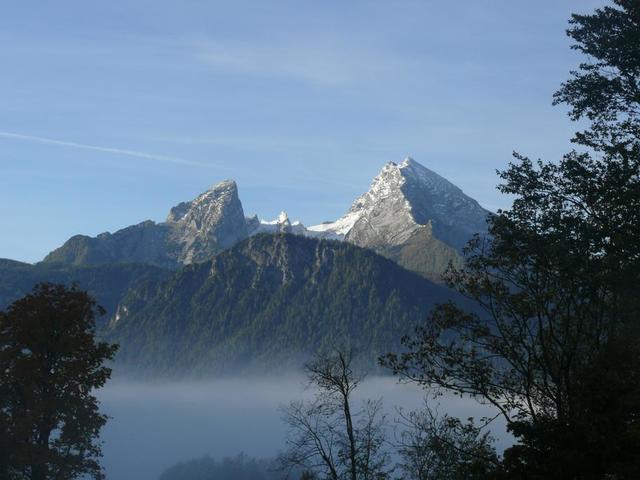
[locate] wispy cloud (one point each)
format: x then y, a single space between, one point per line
99 148
311 64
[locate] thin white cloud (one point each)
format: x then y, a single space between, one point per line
320 66
98 148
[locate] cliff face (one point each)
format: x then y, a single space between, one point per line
410 214
213 222
413 216
194 231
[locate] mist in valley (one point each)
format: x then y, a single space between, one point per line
153 426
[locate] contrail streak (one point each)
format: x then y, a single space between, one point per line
97 148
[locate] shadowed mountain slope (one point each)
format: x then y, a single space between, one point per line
270 301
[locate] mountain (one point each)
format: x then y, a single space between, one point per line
270 301
207 225
209 289
107 283
282 224
194 231
410 214
413 216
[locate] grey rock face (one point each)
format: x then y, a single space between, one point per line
383 215
408 198
410 214
455 217
413 216
194 231
282 224
207 225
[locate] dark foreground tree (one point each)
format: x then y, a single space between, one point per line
556 349
442 447
605 89
328 436
50 363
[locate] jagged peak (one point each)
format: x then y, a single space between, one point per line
409 162
406 162
282 219
218 189
414 171
410 190
406 165
221 190
394 176
224 185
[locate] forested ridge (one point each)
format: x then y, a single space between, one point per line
268 300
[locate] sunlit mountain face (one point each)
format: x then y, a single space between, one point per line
410 214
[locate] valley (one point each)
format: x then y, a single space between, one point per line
211 292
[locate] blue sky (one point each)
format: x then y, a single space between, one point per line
112 112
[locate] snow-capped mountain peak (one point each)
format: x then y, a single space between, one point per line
283 219
385 185
428 179
280 224
410 214
403 198
385 188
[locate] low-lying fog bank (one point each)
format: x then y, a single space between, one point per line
154 426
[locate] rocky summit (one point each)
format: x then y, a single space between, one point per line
410 214
413 216
193 232
213 222
210 289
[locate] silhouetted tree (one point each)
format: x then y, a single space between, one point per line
605 89
50 364
556 347
434 447
326 435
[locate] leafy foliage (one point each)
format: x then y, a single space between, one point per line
433 447
328 436
606 89
556 348
50 364
107 283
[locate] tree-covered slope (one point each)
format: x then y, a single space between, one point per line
107 283
145 242
270 301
